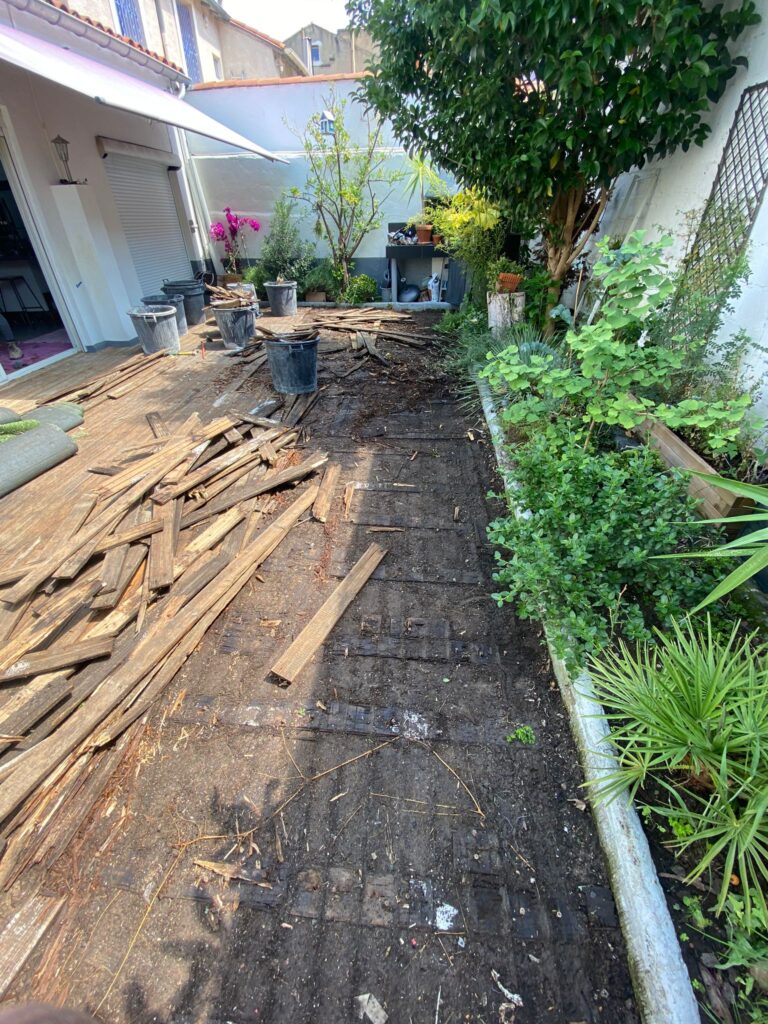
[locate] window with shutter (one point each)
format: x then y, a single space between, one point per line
189 42
129 17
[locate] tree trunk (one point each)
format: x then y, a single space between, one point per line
565 237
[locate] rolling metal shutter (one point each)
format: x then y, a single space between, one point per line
148 214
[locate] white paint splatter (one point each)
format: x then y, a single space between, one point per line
445 917
414 725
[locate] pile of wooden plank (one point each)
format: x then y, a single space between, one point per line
387 324
97 623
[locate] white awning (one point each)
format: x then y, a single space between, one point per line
114 88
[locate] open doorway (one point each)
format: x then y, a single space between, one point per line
31 330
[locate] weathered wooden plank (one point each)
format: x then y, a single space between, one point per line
23 932
160 568
322 506
57 658
292 661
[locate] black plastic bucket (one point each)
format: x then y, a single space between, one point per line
194 298
282 297
293 365
156 328
177 301
236 323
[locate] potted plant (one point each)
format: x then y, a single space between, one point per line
423 174
504 276
231 231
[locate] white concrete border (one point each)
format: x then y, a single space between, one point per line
662 986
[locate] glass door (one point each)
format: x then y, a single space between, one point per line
32 332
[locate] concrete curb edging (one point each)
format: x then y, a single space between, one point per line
662 986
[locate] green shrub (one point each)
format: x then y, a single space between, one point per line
581 550
321 279
612 374
691 713
362 288
284 253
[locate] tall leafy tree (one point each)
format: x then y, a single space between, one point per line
348 182
543 103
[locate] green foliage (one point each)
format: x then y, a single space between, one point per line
467 318
422 177
472 229
522 734
612 372
9 430
537 287
284 254
321 279
691 713
348 183
580 551
543 103
361 288
502 265
752 548
256 275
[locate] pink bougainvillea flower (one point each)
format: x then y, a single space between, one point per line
218 232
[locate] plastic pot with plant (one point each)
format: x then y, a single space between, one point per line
504 275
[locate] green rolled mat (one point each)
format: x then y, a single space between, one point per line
9 430
32 452
66 415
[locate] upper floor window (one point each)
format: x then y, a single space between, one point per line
316 53
217 66
129 19
189 41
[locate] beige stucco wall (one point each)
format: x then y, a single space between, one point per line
208 39
246 56
336 49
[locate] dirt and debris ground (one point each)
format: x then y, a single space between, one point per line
383 835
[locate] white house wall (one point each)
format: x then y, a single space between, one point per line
666 195
35 111
251 186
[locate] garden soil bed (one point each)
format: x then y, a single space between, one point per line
430 854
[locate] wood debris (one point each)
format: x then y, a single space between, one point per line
99 617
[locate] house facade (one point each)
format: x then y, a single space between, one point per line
712 198
97 208
347 51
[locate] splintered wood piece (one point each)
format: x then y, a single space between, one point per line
161 548
57 658
23 932
322 506
290 664
268 453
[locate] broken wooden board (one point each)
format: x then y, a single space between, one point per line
322 506
23 932
290 664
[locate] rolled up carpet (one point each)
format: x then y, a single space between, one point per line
32 452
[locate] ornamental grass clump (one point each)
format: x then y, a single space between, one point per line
689 713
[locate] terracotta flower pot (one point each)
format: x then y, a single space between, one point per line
437 239
226 279
424 234
315 297
508 283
